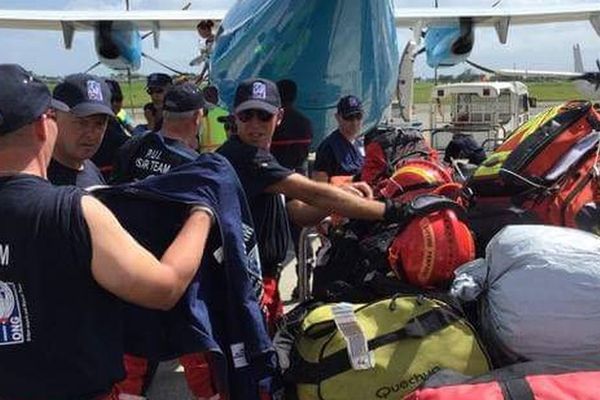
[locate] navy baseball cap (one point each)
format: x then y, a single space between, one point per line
183 98
85 94
349 105
158 79
260 94
23 98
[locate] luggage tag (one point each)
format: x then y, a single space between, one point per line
356 342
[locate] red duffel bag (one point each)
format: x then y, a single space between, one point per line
524 381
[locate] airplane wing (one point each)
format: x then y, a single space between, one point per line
525 72
490 16
85 20
499 17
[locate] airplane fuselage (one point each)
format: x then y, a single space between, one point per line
118 44
329 48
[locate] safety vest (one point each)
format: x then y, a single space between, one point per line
213 132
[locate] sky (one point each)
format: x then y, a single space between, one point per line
542 47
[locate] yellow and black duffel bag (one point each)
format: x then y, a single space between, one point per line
381 350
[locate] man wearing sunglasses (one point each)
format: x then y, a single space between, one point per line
257 109
338 154
81 130
157 85
66 261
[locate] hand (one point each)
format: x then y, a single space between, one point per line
420 206
360 189
395 212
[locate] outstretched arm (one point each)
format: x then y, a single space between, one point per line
324 199
123 267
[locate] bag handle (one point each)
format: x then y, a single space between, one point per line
338 362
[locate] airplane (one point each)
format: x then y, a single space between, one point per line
329 48
587 83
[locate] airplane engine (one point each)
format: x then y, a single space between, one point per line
448 45
118 44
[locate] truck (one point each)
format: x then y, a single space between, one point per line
487 110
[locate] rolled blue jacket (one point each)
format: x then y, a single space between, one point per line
220 311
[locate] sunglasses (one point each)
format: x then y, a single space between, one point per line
353 117
247 115
155 90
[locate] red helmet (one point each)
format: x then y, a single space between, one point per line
428 250
415 177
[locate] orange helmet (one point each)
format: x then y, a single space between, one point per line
415 177
432 245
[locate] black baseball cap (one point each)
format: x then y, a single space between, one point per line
349 105
85 94
159 80
183 97
23 98
261 94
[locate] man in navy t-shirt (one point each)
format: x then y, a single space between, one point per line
156 153
257 108
157 85
66 261
80 130
338 154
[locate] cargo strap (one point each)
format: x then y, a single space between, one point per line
516 389
338 362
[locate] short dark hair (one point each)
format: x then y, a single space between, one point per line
115 90
211 94
150 107
287 90
205 24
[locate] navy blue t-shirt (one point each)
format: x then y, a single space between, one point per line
258 169
62 175
60 333
291 140
114 137
150 154
336 156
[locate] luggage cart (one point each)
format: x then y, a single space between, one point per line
311 238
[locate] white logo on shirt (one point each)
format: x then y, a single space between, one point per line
14 320
7 302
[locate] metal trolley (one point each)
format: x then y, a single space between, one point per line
310 240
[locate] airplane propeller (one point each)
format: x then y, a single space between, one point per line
591 77
93 66
149 57
481 67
